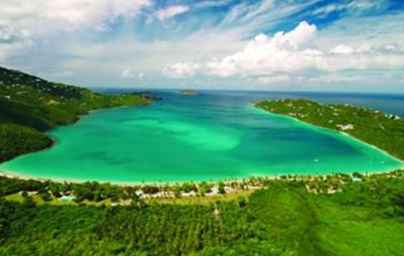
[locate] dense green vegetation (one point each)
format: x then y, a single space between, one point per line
374 127
321 215
30 105
105 193
365 218
15 139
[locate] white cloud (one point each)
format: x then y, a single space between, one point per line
342 49
252 17
273 79
284 52
41 16
354 7
392 48
325 10
129 73
262 7
10 34
171 11
102 63
295 56
181 70
50 36
361 5
26 24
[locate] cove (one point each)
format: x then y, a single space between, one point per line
210 136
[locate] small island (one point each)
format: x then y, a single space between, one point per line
385 131
188 92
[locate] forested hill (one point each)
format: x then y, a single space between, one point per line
30 105
382 130
14 78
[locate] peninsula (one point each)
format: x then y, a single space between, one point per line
385 131
31 106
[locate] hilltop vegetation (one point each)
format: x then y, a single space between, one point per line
31 105
15 139
374 127
364 218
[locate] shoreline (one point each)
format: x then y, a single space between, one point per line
306 176
171 183
53 140
219 190
329 130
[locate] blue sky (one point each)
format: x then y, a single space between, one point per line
351 45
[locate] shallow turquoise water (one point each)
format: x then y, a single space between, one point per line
205 137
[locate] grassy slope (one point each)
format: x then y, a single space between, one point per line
365 219
373 127
358 231
30 105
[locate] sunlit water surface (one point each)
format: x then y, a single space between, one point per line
211 136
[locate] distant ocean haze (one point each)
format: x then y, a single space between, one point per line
210 136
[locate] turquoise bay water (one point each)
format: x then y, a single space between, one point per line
211 136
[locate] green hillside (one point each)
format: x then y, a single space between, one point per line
382 130
31 105
16 79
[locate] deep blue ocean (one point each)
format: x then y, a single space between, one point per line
389 103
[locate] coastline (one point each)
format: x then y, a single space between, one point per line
252 175
53 141
332 131
220 190
240 180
